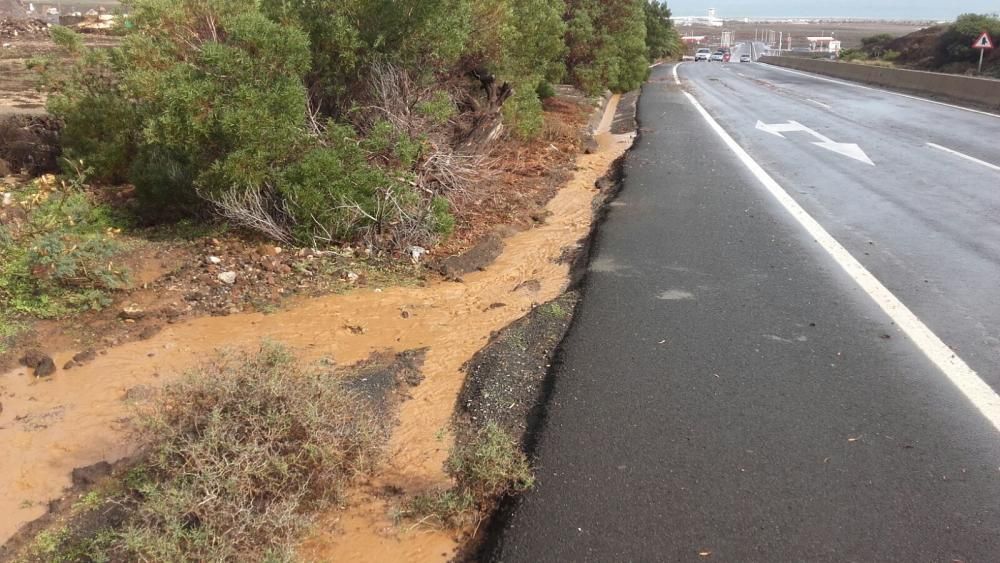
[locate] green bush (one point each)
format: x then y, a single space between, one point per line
524 112
442 221
955 44
852 55
440 109
348 37
875 46
545 90
239 106
333 193
662 40
607 44
202 96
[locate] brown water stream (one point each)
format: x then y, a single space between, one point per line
79 417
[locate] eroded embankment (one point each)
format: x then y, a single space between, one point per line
79 417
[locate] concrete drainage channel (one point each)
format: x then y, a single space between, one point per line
510 381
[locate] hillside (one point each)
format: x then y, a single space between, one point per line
946 48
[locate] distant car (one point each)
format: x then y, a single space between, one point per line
717 56
745 58
702 54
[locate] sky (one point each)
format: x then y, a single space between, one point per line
881 9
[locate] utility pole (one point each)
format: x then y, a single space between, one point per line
781 35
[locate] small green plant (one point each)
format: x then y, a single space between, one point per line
890 55
487 468
442 221
554 309
439 108
64 258
48 542
545 90
88 501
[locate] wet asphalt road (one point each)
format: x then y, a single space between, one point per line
727 392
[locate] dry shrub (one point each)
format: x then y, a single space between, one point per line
241 453
557 130
432 115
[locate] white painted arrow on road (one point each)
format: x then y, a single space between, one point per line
850 150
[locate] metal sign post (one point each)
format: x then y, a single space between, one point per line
983 43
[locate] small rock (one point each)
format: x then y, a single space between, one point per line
32 358
46 368
139 393
228 278
132 312
540 215
8 200
148 332
351 277
85 356
69 365
91 474
214 260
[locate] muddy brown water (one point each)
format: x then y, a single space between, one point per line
78 417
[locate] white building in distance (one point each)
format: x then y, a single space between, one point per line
711 20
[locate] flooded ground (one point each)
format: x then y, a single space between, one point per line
78 417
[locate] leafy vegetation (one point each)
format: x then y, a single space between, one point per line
946 48
487 468
333 120
662 40
61 257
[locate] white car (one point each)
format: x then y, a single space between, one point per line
745 58
702 54
717 56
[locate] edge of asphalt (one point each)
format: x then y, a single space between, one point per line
626 120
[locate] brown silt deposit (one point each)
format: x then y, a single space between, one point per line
49 426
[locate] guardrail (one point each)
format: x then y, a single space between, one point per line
978 91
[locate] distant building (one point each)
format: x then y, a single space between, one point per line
823 44
710 20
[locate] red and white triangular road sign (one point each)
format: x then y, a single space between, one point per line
984 42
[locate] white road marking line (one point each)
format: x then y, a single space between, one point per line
963 377
655 65
965 156
863 87
677 78
820 104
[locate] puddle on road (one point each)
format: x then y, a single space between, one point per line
78 417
